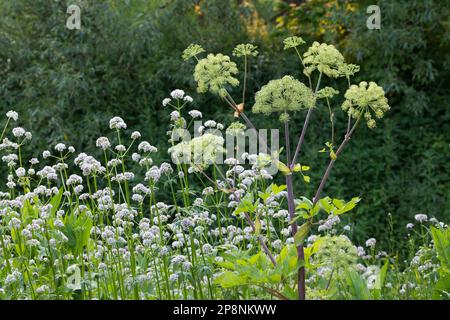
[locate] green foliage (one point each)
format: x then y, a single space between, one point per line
77 229
307 210
441 238
66 84
244 269
409 57
283 95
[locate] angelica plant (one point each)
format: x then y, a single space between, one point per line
287 95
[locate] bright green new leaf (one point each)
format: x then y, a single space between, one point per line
301 233
229 279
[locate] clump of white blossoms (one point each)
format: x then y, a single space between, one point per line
103 143
177 94
180 99
421 217
12 115
370 243
283 95
199 152
365 99
195 114
117 123
215 73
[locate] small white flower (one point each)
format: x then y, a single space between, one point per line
12 115
46 154
144 146
20 172
166 101
121 148
177 94
60 147
421 217
174 115
188 99
18 132
409 226
136 135
136 157
117 123
103 143
371 242
210 123
195 114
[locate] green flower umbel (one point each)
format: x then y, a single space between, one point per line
325 58
292 42
247 49
192 51
283 95
215 73
365 99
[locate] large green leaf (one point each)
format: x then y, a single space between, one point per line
441 238
357 285
229 279
77 229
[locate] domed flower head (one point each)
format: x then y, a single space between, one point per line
292 42
199 152
215 73
325 58
365 99
347 70
192 51
283 95
247 49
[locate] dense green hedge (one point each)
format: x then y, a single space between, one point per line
126 57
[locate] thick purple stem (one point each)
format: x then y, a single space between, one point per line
291 210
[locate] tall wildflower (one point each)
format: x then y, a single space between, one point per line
215 73
247 49
192 51
365 99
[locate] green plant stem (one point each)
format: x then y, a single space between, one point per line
332 161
